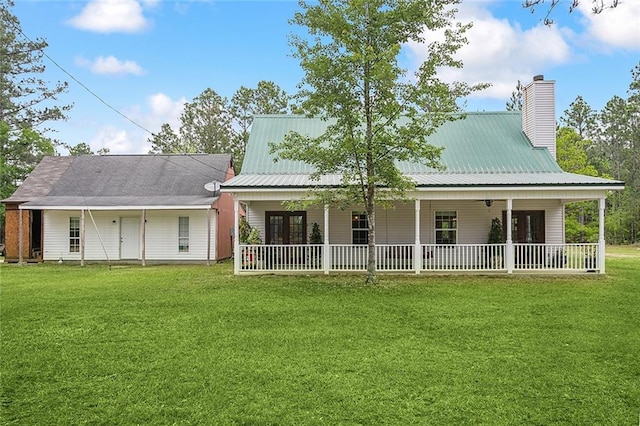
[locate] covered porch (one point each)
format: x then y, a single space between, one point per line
434 233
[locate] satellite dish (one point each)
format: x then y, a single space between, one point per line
212 186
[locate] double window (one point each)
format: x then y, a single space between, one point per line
74 235
359 228
446 227
286 227
183 234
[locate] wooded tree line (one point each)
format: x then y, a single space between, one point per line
605 143
214 124
602 143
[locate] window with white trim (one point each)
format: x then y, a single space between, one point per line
359 228
74 234
183 234
446 227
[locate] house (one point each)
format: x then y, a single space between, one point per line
141 208
499 165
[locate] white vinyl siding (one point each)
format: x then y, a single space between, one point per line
161 235
397 225
538 115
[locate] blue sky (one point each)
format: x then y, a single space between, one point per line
146 58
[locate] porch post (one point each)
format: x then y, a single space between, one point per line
509 255
236 235
601 243
20 237
326 250
209 236
417 256
82 236
143 237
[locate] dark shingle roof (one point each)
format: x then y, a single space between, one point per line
41 180
121 180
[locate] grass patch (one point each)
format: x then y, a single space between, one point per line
197 345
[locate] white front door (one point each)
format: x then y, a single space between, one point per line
129 238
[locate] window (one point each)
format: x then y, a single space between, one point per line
446 227
74 235
183 235
359 228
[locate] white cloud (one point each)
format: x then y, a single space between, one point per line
618 27
110 65
501 52
116 140
158 110
107 16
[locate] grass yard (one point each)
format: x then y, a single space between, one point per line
197 345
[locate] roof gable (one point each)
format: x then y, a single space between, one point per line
482 142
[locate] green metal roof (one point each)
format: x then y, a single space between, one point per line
483 142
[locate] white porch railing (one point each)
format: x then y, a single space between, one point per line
552 257
463 257
431 258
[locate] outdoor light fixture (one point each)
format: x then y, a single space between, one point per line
488 202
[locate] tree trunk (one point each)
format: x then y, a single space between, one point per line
371 249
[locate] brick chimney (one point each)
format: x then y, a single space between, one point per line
539 113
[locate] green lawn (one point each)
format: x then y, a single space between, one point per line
196 345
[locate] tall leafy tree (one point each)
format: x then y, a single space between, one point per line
246 103
571 152
353 77
632 177
515 102
214 124
206 124
26 99
205 127
27 103
618 140
612 136
581 118
581 219
612 146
